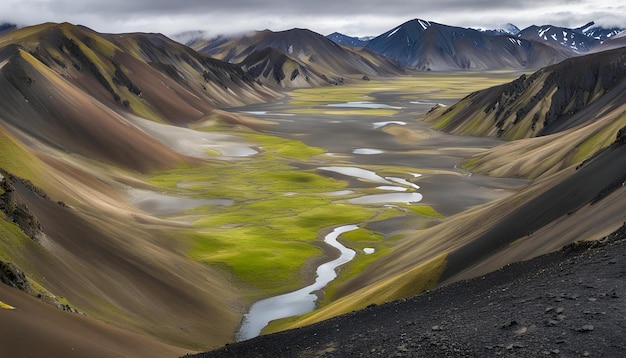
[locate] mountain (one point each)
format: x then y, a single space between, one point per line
426 45
549 101
598 32
342 39
582 39
53 74
86 118
560 36
613 42
6 28
313 53
506 29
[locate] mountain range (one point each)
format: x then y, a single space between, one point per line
296 58
86 118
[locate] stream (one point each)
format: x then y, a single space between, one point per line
297 302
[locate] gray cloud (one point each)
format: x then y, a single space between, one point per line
359 18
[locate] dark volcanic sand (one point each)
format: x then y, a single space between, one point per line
571 303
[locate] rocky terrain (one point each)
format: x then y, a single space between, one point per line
570 303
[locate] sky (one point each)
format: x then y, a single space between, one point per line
351 17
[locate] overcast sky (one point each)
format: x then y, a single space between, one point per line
351 17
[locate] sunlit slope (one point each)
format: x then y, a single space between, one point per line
579 101
312 59
71 88
574 92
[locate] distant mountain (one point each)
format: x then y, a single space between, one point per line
313 53
582 39
276 67
188 37
7 27
506 29
613 42
599 32
560 36
426 46
342 39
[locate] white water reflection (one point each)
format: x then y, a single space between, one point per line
367 151
297 302
357 173
391 188
362 104
340 193
403 182
194 143
166 205
388 198
369 250
382 124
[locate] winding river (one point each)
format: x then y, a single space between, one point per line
297 302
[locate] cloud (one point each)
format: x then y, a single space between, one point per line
358 18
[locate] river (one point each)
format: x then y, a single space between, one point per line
297 302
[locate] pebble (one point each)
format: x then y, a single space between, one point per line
586 328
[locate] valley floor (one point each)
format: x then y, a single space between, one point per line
569 303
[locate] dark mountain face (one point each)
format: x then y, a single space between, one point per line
560 36
599 32
6 28
342 39
431 46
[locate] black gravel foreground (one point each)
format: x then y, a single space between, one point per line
571 303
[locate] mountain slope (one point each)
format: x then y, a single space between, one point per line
84 117
342 39
53 75
584 111
569 303
560 36
310 50
426 45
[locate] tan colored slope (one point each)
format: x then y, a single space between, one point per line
36 329
46 106
112 261
535 157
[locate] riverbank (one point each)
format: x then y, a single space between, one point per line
568 303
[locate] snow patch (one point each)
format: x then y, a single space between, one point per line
542 32
394 31
425 24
